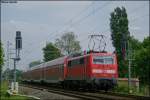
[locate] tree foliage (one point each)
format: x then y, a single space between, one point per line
1 55
51 52
119 35
9 74
135 44
1 59
140 50
34 63
142 61
68 44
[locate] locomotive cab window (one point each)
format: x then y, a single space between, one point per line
76 62
103 60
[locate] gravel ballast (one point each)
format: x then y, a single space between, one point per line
43 95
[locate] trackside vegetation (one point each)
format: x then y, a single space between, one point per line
123 88
123 42
5 96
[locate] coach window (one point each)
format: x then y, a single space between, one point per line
82 61
74 62
69 63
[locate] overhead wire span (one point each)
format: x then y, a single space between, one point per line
55 32
70 21
84 18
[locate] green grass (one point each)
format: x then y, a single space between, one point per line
123 88
5 96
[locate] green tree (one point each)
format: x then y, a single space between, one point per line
142 61
51 52
1 55
1 59
9 73
120 35
135 45
34 63
68 43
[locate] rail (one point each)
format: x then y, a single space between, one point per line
99 95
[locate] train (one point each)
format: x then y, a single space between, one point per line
92 70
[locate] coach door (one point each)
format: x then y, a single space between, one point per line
85 68
82 68
61 74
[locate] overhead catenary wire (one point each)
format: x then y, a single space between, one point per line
83 18
68 22
135 10
77 21
79 15
90 14
71 20
55 33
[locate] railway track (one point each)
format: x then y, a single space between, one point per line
100 95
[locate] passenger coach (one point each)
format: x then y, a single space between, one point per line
50 72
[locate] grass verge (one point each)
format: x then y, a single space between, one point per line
123 88
5 96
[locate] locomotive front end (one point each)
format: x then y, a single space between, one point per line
104 70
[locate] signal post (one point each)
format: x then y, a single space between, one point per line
18 39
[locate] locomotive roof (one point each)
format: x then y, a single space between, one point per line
102 54
57 61
60 60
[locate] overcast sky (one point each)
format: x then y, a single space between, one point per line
42 22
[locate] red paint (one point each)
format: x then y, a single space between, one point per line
84 71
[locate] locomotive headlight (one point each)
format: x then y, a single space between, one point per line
97 71
104 71
110 71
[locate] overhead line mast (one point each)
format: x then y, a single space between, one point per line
8 57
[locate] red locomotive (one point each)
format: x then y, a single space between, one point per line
93 70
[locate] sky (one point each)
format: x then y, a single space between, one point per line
41 22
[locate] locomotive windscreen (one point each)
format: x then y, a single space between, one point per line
103 60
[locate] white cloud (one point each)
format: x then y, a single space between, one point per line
134 28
